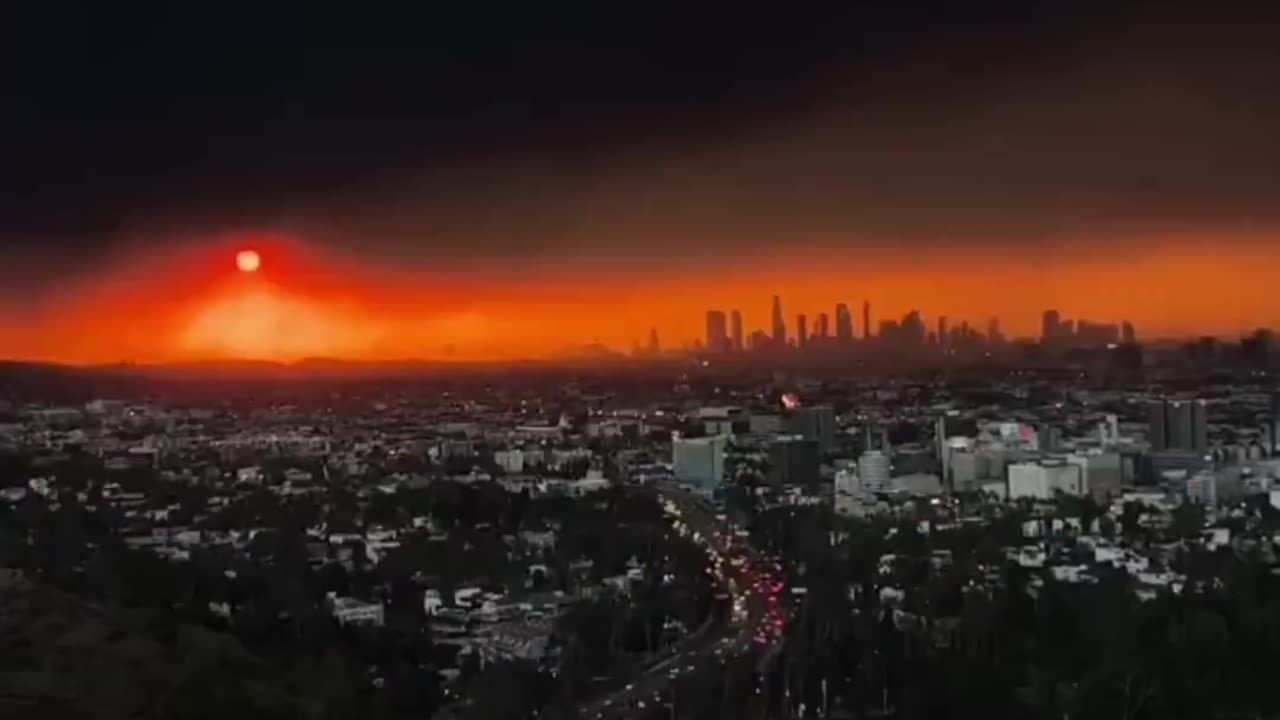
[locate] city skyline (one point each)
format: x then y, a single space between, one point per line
491 188
304 304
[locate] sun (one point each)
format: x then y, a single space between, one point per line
248 261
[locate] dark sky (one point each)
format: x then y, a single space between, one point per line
620 129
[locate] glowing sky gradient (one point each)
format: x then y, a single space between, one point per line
465 184
194 304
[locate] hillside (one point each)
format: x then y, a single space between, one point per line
62 657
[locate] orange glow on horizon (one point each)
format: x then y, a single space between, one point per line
299 302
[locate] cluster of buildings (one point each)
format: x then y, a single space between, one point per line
866 447
725 333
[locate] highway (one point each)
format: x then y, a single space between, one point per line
751 615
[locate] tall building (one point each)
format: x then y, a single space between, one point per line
1157 431
698 461
913 330
735 330
823 330
1178 425
873 471
1050 326
942 330
793 461
1275 423
717 331
779 325
993 330
866 319
844 323
1199 426
817 423
654 348
1127 333
759 340
802 331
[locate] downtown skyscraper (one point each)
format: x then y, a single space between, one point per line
735 330
844 323
779 324
717 331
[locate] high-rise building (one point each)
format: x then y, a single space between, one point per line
866 319
779 325
760 340
654 348
1178 424
1127 333
1157 431
1275 423
802 331
698 461
735 330
823 330
817 423
993 330
873 471
942 330
1199 426
844 323
913 330
1050 326
794 461
717 331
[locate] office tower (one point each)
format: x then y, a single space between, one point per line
1275 423
759 340
993 330
942 330
1178 424
735 329
779 325
1199 426
1050 326
654 348
698 461
793 460
1127 334
913 328
717 331
866 319
823 330
940 447
817 423
802 331
1157 431
844 323
873 471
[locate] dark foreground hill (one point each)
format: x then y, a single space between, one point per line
63 657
